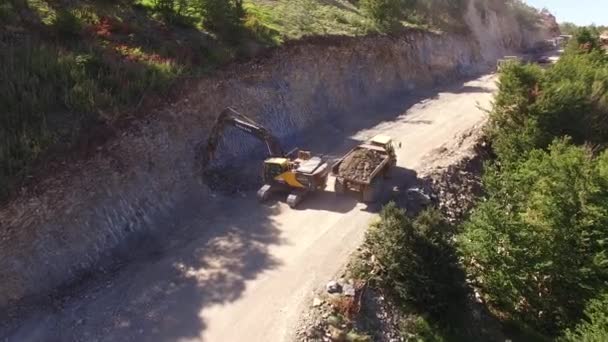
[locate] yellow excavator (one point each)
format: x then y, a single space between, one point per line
298 172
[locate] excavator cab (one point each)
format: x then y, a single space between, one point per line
274 167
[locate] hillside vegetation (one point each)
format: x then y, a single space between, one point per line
535 247
71 68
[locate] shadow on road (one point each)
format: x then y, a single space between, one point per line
470 89
204 260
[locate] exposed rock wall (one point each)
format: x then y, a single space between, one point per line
137 183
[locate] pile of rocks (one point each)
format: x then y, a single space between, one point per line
360 164
458 186
333 315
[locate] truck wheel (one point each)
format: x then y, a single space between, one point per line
379 189
387 172
338 187
373 192
367 195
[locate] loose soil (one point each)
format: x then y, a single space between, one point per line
360 164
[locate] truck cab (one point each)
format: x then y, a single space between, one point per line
386 143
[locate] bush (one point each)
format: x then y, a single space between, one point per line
66 24
223 17
594 328
382 12
50 93
417 263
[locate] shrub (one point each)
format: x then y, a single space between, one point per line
66 24
594 328
381 11
417 263
223 17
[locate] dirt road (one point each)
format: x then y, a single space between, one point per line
235 270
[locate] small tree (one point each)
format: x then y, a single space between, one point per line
223 17
383 12
418 264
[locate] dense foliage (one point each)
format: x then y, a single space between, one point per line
594 328
537 246
534 106
416 261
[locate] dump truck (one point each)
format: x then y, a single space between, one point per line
364 167
297 172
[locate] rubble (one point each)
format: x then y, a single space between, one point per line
317 302
348 290
457 187
333 287
360 164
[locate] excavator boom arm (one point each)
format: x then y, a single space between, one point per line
230 117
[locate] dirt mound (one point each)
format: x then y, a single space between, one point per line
360 164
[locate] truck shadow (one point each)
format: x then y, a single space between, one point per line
321 201
400 180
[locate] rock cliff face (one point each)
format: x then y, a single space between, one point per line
91 213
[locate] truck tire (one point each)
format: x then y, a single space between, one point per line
367 194
373 192
338 187
386 174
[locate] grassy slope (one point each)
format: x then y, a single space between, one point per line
65 69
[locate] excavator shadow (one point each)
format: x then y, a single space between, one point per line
328 201
323 200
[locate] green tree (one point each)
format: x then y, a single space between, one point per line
223 17
537 246
594 328
382 12
533 106
514 126
418 264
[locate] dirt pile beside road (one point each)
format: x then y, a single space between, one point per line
458 186
360 164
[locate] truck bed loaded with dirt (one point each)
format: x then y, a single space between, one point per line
363 168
